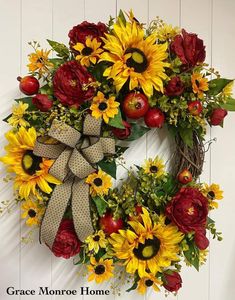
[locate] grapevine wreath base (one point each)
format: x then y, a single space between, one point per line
115 82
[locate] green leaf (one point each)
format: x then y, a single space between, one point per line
117 121
121 16
187 136
101 205
27 100
137 131
108 167
46 89
210 221
217 85
59 48
229 105
192 255
133 287
56 62
119 150
6 119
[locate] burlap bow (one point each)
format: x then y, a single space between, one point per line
76 155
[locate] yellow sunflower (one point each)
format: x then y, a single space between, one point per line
134 57
33 212
148 281
39 61
199 84
154 167
88 53
212 192
96 241
31 171
17 118
147 247
100 183
104 108
101 270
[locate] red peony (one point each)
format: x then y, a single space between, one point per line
42 102
201 240
66 243
189 48
122 133
188 209
175 87
172 282
217 116
80 32
69 82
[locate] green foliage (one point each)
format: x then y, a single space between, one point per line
101 205
133 287
137 131
108 167
27 100
121 16
229 105
217 85
46 89
117 121
59 48
187 136
192 255
56 62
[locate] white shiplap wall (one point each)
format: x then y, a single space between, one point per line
31 266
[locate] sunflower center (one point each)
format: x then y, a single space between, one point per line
148 283
100 269
87 51
103 106
138 60
211 195
153 169
98 181
30 162
32 213
96 238
147 250
197 82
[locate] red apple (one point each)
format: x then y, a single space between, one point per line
109 225
154 118
185 176
29 85
135 105
195 107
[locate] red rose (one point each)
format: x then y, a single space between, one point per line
217 116
80 32
201 240
42 102
172 282
68 83
122 133
175 87
188 209
66 243
189 48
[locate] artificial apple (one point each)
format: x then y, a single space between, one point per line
195 107
29 85
185 176
135 105
109 225
154 118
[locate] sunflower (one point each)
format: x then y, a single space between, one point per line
31 171
100 183
105 108
38 61
199 84
18 112
96 241
135 58
212 192
147 247
32 211
148 281
154 168
101 270
88 53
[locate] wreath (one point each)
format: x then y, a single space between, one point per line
112 85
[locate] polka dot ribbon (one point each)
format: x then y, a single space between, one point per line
76 155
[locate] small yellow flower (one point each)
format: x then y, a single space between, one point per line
228 89
154 168
166 32
199 84
212 192
101 270
32 212
96 241
18 112
100 183
105 108
38 61
88 53
148 281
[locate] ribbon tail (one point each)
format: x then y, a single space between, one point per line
81 209
55 212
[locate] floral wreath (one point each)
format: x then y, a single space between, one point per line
115 82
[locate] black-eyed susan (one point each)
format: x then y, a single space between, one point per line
18 112
134 57
39 61
105 108
147 246
100 183
199 84
32 212
154 167
212 192
31 171
148 281
100 270
96 241
88 53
